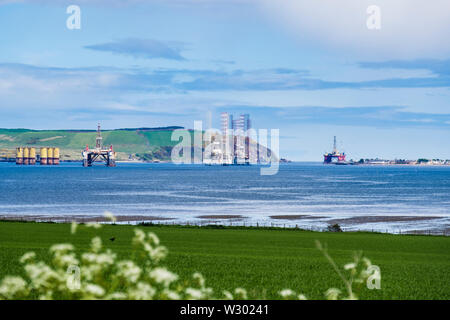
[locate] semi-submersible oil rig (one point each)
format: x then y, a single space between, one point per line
92 155
334 157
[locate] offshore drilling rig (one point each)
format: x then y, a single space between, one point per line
107 155
334 157
28 156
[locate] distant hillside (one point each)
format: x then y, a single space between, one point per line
154 143
130 144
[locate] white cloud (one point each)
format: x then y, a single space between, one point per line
409 28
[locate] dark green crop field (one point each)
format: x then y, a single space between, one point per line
260 260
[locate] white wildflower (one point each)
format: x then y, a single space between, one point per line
171 295
41 275
199 279
194 294
94 290
159 253
153 238
332 294
110 216
65 259
367 262
228 295
73 227
27 257
148 248
63 247
89 257
106 258
286 293
349 266
142 291
12 287
128 270
301 297
207 293
116 296
139 236
47 295
155 254
96 244
240 293
99 259
162 275
88 272
94 225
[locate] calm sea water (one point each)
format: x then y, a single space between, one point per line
185 192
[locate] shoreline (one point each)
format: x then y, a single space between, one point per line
159 223
281 163
357 223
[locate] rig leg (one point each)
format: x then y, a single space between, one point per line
89 160
110 162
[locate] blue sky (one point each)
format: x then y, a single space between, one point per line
310 69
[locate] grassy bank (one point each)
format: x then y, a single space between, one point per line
260 260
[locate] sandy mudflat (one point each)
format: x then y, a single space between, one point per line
220 217
70 218
374 219
296 217
354 222
445 231
357 219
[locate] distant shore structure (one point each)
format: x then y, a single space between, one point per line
92 155
233 144
28 156
334 157
235 140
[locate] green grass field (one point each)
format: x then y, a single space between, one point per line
262 261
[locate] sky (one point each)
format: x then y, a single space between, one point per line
312 69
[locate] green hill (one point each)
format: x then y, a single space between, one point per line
149 144
141 143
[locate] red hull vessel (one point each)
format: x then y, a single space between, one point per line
335 156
